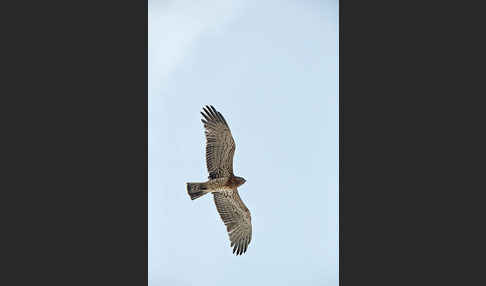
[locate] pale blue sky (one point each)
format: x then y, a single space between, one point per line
271 68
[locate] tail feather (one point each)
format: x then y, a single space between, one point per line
196 190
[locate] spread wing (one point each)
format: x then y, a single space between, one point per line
220 146
236 217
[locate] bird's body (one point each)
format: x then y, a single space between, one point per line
214 185
220 148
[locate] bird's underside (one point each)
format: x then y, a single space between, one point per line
220 148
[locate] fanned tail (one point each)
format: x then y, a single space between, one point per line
196 190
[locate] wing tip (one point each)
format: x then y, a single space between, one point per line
210 113
240 247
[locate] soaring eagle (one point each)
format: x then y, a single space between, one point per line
220 148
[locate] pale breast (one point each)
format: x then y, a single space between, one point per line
220 183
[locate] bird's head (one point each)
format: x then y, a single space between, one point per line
240 181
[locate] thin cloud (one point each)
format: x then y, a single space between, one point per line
175 27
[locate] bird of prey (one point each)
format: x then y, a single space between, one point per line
220 148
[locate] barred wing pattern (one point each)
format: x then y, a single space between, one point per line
220 146
236 217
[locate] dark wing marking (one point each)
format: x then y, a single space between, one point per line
236 217
220 146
